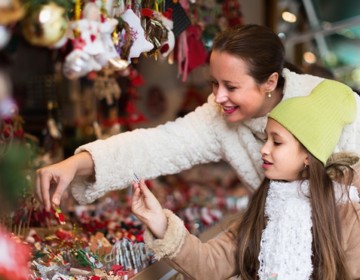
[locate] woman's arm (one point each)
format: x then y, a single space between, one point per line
166 149
60 175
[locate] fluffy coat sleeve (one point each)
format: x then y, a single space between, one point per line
166 149
214 259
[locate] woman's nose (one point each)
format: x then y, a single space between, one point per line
220 96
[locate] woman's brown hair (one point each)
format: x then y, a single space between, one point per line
328 255
258 46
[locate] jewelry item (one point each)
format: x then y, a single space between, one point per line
269 94
136 178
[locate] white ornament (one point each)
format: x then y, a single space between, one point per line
110 52
140 44
170 42
4 36
78 63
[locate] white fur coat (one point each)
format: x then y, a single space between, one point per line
200 137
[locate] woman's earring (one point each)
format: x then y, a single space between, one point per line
269 94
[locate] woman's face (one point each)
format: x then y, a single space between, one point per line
239 96
284 158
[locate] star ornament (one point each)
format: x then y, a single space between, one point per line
140 44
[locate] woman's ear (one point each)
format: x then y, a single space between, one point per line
272 81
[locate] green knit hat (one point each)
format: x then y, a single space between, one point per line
317 120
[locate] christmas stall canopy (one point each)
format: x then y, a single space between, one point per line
94 44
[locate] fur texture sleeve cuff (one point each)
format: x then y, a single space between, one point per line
173 240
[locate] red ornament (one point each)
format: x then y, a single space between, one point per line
58 214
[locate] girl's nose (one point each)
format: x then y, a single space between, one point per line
264 149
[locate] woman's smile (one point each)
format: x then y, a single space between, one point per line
228 110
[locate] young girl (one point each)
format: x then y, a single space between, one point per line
301 223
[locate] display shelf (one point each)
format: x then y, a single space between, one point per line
163 271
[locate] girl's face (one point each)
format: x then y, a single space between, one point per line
239 96
284 158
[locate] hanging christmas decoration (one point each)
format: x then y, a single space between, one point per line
45 25
89 28
168 44
8 106
78 63
179 16
4 36
232 12
106 87
94 46
87 43
10 11
106 29
122 39
155 31
115 7
140 43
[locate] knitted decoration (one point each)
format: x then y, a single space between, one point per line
155 31
179 16
140 44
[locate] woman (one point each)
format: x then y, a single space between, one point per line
248 80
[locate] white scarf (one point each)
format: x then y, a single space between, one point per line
285 247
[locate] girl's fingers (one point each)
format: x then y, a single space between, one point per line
144 188
135 200
136 189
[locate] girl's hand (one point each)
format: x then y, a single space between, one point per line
147 208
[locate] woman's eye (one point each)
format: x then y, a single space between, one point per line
214 83
277 143
231 88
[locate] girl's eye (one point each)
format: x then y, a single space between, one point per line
276 143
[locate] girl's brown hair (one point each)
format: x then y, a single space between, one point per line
258 46
328 255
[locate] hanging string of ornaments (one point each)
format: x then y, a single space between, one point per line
103 33
115 33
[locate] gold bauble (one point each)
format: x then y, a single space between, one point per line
10 11
46 26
